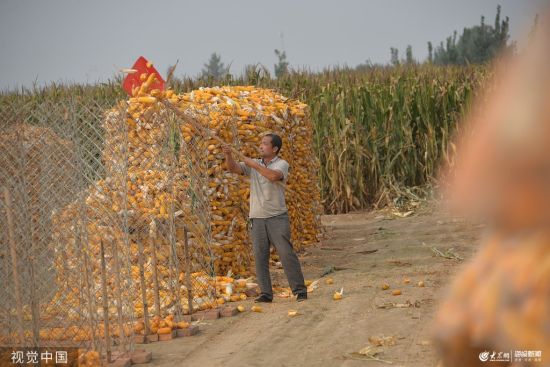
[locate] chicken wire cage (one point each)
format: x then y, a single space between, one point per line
105 231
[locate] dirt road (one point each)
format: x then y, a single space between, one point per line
369 249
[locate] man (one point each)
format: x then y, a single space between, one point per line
269 215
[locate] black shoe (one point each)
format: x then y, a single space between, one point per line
263 298
301 297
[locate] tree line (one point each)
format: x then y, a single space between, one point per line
475 45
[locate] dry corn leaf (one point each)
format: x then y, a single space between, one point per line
449 254
369 352
407 304
403 215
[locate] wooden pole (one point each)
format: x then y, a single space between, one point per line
80 243
152 240
188 283
176 269
35 313
143 283
90 304
105 303
119 295
15 273
175 264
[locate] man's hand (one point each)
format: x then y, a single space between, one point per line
232 166
226 149
249 162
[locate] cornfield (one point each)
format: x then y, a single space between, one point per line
379 134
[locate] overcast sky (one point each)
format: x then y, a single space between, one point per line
89 41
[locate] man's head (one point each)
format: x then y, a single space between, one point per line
271 145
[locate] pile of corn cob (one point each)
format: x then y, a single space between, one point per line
162 174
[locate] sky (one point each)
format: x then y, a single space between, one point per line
76 41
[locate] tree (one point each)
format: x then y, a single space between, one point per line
281 68
447 53
215 68
477 44
409 55
430 53
394 56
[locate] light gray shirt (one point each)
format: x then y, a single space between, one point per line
267 199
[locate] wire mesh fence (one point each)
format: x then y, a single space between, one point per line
105 230
120 220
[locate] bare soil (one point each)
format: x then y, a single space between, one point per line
367 249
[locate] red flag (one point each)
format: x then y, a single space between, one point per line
134 79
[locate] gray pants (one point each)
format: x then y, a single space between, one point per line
275 230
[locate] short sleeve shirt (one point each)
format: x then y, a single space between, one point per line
267 199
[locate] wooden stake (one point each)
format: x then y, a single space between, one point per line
119 295
187 270
175 265
35 313
105 303
176 270
84 259
152 240
15 273
143 284
90 304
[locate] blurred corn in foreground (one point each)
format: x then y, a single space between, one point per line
501 300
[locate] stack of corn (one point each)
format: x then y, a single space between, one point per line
163 173
239 116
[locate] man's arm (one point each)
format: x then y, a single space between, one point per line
272 175
232 166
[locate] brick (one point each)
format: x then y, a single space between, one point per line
229 311
212 314
191 330
165 337
189 318
141 356
152 338
139 339
121 362
117 354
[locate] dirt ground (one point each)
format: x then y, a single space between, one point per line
367 249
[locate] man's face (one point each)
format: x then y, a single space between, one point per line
266 148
